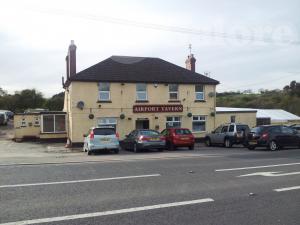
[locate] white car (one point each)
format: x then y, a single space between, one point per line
101 138
3 118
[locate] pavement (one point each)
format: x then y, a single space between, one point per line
205 186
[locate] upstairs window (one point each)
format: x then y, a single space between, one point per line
173 91
141 92
104 91
199 92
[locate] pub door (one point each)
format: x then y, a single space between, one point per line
142 124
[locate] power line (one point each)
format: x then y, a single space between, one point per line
176 29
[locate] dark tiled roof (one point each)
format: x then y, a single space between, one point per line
140 69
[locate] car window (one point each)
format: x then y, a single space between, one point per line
182 131
231 128
104 131
164 132
240 128
287 130
257 130
148 132
218 129
224 129
275 130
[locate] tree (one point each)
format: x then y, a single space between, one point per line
56 102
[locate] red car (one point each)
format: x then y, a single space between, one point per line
178 137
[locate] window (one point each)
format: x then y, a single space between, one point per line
107 122
173 121
173 91
141 92
104 91
53 123
36 121
218 129
199 123
232 119
199 92
182 131
224 129
287 130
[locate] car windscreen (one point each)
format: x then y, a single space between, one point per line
149 132
182 131
104 131
240 128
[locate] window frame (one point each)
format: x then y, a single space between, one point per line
174 92
198 92
99 92
144 92
173 121
199 119
54 124
109 124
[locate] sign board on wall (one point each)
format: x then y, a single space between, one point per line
157 108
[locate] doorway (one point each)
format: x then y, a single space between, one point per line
142 124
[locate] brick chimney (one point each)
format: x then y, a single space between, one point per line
71 60
190 63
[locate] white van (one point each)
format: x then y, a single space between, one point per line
3 118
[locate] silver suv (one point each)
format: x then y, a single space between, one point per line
228 135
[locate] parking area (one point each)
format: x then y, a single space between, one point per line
29 152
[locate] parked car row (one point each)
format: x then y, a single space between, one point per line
106 138
273 137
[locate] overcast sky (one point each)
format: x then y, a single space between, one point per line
244 44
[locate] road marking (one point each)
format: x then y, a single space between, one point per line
105 213
287 189
257 167
78 181
269 174
103 161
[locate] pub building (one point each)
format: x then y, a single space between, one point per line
137 93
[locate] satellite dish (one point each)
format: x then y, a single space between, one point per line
80 105
211 94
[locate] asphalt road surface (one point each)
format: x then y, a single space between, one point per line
233 186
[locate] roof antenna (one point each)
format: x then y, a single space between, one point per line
190 48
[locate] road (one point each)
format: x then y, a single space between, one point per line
232 186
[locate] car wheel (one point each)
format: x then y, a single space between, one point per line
116 151
135 148
207 142
172 146
273 146
89 152
227 143
191 147
251 147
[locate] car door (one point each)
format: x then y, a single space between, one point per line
213 136
222 135
290 137
126 141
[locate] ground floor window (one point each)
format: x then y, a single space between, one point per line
107 122
53 123
173 121
199 123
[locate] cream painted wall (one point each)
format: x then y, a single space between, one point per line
248 118
123 97
30 129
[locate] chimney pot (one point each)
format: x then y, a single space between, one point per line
191 63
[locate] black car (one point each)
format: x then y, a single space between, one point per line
296 127
273 137
144 139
